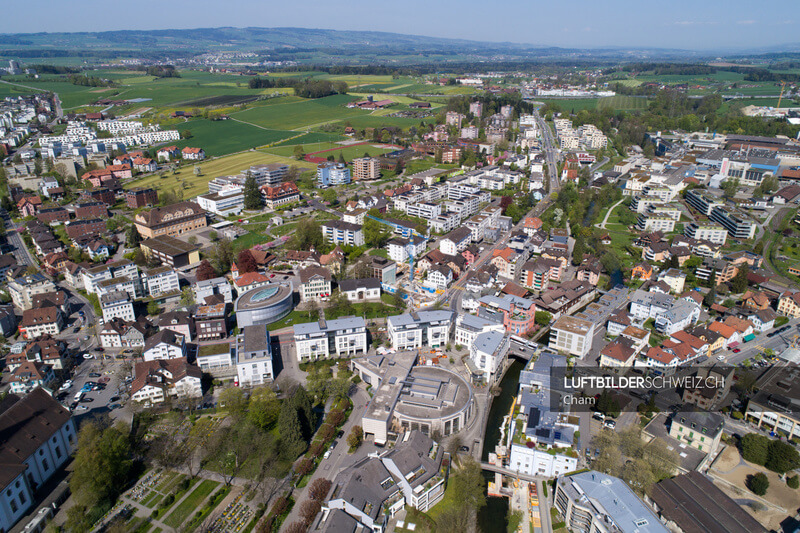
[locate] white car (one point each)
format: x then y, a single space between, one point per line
610 424
88 356
720 358
327 454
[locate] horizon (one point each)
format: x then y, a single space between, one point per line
616 24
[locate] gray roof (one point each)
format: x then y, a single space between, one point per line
254 339
703 421
504 302
475 322
353 284
422 317
458 234
610 496
489 341
349 322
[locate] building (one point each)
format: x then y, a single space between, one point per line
156 381
210 322
691 502
340 337
331 174
788 304
264 305
166 344
161 281
23 289
488 354
706 231
343 233
618 354
366 168
593 501
80 228
39 436
216 359
699 429
468 327
254 356
211 287
315 283
736 225
175 219
518 315
359 290
117 304
171 251
278 195
572 335
270 174
456 241
228 201
408 397
42 321
419 328
193 154
369 493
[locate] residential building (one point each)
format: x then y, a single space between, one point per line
593 501
254 364
156 381
331 174
339 232
278 195
706 231
699 429
315 283
179 322
24 288
228 201
366 168
702 201
342 337
211 287
210 322
269 175
166 344
518 315
618 353
468 327
117 304
674 278
42 321
359 290
572 335
488 354
737 226
193 154
456 241
788 304
419 328
160 281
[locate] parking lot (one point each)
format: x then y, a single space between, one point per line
107 375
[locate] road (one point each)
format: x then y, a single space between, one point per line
551 153
599 164
21 252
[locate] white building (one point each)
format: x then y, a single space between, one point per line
488 353
572 335
419 328
343 233
456 241
161 280
156 381
468 327
228 201
254 357
117 304
166 344
340 337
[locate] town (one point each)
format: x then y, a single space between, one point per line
352 302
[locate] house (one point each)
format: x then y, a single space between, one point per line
456 241
618 353
28 206
617 323
166 344
357 290
30 375
211 287
680 315
488 355
699 429
518 315
315 283
36 323
571 335
788 304
156 381
141 197
168 153
762 320
755 300
117 304
674 278
709 387
254 365
39 436
145 164
419 328
193 154
731 336
282 194
179 322
250 280
439 277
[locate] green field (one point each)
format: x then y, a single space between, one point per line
312 139
348 152
191 503
624 103
227 136
301 114
193 185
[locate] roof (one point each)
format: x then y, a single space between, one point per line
42 315
169 246
353 284
723 329
249 278
573 325
694 503
349 322
620 349
308 273
152 372
704 421
25 424
166 336
170 213
458 234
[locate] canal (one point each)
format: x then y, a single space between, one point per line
494 516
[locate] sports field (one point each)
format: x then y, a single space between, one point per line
193 185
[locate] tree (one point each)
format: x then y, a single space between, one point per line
355 437
132 237
205 271
578 250
102 465
543 318
758 483
398 298
187 297
234 401
793 482
375 233
607 404
468 485
730 187
319 489
223 255
264 407
296 527
638 476
186 134
739 281
610 261
710 297
755 448
245 262
307 235
309 510
299 153
291 432
153 308
782 457
252 196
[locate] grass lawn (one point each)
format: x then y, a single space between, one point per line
380 253
283 230
300 114
619 101
295 317
169 482
348 152
192 502
246 242
220 137
223 166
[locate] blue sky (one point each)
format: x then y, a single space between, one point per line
696 24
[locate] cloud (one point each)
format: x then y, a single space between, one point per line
746 22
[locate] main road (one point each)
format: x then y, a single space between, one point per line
550 151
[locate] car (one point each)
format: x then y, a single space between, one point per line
81 408
737 350
94 375
588 452
86 399
610 424
327 454
340 434
114 399
720 358
464 449
271 276
113 406
597 452
64 387
98 349
87 355
598 416
73 405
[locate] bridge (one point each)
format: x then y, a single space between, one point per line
489 467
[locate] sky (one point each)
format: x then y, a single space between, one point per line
683 24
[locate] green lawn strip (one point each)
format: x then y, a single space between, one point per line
170 486
168 503
150 500
192 501
208 508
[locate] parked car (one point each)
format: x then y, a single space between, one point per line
610 424
720 358
114 399
737 350
94 375
464 449
327 454
598 416
87 355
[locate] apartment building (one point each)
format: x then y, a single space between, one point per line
284 193
156 381
315 283
254 365
270 174
699 429
703 202
340 232
36 323
23 289
165 344
366 168
737 225
456 241
424 210
330 174
228 201
468 327
419 328
706 231
161 280
117 304
572 335
342 337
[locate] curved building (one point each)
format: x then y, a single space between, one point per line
264 305
409 397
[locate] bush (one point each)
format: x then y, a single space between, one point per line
755 448
793 482
758 483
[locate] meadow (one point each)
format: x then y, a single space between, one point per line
193 185
219 137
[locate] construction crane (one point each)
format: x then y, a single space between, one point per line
410 251
783 88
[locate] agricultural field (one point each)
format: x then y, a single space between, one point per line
330 148
301 114
221 137
223 166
